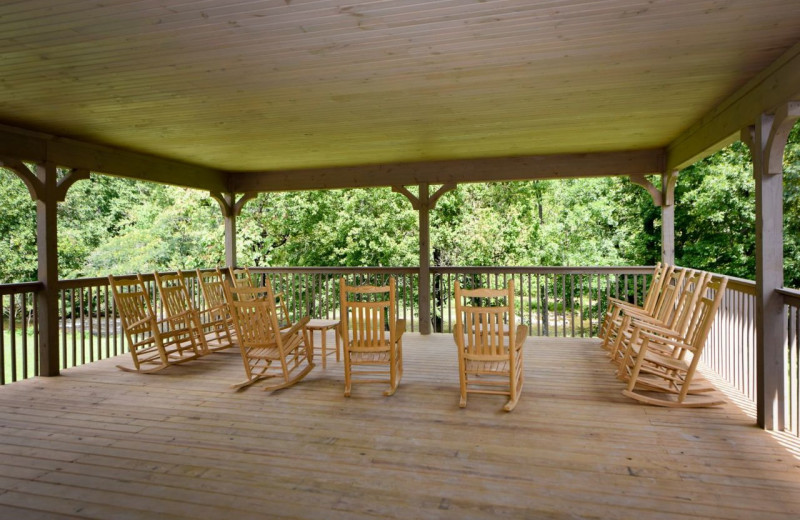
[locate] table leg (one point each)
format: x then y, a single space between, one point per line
338 336
324 344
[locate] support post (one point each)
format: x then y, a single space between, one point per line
231 208
668 182
423 204
767 140
47 249
665 199
47 191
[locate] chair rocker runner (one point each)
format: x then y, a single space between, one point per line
663 366
489 352
267 351
373 337
153 344
178 304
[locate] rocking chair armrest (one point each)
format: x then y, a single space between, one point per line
218 309
654 328
296 327
399 327
521 336
622 303
457 334
674 342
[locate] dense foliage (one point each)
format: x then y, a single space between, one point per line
117 225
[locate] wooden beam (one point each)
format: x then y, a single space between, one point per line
43 148
777 84
637 162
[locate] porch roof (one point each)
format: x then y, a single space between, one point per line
101 443
269 95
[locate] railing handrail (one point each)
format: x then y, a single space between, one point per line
790 296
543 269
335 270
739 284
20 287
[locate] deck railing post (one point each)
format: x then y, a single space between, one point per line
767 140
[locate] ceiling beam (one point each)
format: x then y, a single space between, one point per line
43 148
775 85
638 162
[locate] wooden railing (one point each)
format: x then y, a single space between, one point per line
555 301
19 344
731 347
552 301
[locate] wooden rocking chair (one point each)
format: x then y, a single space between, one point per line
218 323
267 352
178 304
667 311
373 347
659 372
153 344
489 352
616 306
241 277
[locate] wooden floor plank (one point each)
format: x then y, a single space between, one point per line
98 442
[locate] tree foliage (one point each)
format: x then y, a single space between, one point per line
112 225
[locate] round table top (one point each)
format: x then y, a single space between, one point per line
322 324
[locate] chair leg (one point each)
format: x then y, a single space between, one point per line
346 372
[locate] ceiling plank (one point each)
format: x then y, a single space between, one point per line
777 84
39 148
638 162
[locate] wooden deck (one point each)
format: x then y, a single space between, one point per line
100 443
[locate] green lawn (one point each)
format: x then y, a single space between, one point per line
19 358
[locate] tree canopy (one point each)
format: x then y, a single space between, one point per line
111 225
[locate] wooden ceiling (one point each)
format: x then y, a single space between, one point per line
293 87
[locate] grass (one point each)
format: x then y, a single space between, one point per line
19 357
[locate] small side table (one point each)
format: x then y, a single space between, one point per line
323 326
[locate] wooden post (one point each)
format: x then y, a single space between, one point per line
47 250
767 140
665 199
47 191
231 208
423 204
668 182
424 260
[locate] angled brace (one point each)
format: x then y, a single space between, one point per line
416 203
782 123
72 177
229 205
643 181
34 185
